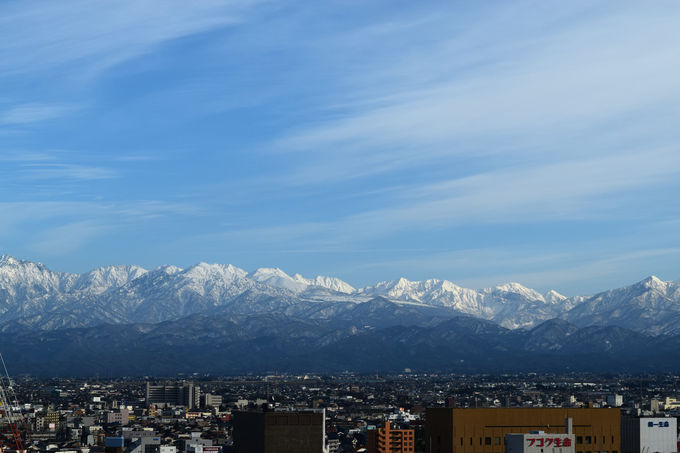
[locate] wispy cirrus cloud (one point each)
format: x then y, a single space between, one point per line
576 188
25 156
95 37
23 114
61 167
36 214
593 189
528 96
59 171
54 166
68 238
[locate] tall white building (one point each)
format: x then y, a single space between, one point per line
649 435
614 400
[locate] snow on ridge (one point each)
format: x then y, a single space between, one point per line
553 297
277 278
434 292
7 260
25 274
332 283
206 271
169 269
31 288
517 288
655 282
650 305
297 283
104 278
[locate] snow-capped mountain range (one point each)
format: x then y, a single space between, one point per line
33 296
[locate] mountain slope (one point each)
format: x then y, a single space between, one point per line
227 344
651 306
34 297
511 305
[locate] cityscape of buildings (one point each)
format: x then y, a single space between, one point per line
404 413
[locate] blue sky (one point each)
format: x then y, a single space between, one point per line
479 142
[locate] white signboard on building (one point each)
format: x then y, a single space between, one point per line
539 443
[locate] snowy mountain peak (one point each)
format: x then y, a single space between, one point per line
268 272
402 283
653 282
7 260
332 283
553 297
276 277
102 279
217 271
169 269
519 289
449 286
27 271
650 305
297 283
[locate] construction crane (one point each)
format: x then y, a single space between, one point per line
8 401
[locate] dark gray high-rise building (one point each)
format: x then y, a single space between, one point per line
184 394
279 432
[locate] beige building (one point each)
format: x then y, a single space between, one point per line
453 430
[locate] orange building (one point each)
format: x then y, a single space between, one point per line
449 430
388 440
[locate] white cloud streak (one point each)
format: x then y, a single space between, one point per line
570 85
568 189
95 36
67 172
66 239
23 114
581 190
35 214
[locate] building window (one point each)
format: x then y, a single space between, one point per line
579 439
461 441
497 441
471 441
487 441
589 440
